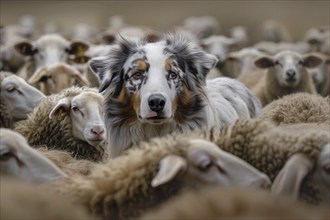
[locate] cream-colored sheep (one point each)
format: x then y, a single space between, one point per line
286 74
21 200
72 120
17 99
235 203
297 108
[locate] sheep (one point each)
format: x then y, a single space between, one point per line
286 73
243 67
145 177
56 78
71 121
297 108
17 99
268 147
272 48
318 38
46 51
15 146
321 76
234 203
19 160
20 200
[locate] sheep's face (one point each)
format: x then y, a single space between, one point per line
87 116
207 163
289 67
21 98
57 78
320 73
51 49
20 160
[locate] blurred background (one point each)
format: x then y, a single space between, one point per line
297 16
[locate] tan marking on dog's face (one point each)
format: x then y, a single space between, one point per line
136 100
139 64
168 65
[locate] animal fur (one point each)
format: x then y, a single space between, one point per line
39 129
298 108
197 103
234 203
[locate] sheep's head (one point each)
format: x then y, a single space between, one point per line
290 179
207 163
56 78
87 116
51 49
288 66
20 160
20 97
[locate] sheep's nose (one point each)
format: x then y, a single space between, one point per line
97 130
156 102
291 73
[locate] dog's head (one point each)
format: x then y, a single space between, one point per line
154 79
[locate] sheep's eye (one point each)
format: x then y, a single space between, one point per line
205 165
276 63
6 156
10 89
300 62
75 109
137 75
173 75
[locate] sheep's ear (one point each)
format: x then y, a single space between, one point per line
152 37
81 80
106 38
289 179
98 66
311 61
40 75
24 48
78 48
264 62
169 167
62 106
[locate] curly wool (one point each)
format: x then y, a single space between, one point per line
6 119
235 203
39 129
121 189
298 108
268 147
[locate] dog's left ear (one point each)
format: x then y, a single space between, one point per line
208 61
99 66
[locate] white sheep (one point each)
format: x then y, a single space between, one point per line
272 30
45 53
286 73
240 33
71 120
321 75
202 26
143 178
234 203
17 99
242 66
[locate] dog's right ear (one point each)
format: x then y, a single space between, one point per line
100 67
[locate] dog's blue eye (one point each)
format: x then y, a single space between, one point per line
173 75
137 75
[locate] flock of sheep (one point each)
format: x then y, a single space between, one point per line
270 161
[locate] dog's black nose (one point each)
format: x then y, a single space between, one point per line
156 102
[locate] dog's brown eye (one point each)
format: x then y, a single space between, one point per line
137 75
173 75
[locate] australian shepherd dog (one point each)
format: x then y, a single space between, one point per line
154 89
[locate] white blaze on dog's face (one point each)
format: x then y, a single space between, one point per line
154 76
153 82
